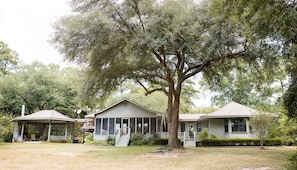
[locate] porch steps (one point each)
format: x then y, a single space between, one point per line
123 141
189 143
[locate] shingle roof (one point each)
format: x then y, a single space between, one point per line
44 116
232 109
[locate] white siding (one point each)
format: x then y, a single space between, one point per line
125 110
216 127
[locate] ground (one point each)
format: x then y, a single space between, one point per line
82 156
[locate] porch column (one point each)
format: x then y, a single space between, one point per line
135 124
150 121
247 125
49 131
66 128
142 125
157 130
108 119
101 126
229 126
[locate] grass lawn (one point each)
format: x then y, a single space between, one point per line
87 157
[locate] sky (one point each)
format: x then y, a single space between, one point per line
26 26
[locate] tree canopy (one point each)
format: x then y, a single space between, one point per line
8 59
157 44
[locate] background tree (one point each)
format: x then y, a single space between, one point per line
158 44
40 87
8 59
261 123
5 128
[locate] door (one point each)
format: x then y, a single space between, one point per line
125 123
190 130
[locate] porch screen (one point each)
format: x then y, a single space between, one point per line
104 126
153 125
146 125
98 126
139 125
132 125
111 125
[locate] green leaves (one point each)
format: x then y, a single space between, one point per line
8 59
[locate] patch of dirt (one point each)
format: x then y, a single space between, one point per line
68 154
167 154
260 168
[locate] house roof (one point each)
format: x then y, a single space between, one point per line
230 110
92 115
189 117
44 116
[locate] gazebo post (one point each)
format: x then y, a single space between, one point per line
22 131
66 129
49 131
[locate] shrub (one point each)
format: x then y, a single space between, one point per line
110 140
292 161
137 139
89 138
204 134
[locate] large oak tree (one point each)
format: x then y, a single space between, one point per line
159 44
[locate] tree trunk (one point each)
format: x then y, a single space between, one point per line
173 117
173 128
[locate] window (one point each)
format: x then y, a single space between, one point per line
238 125
182 127
226 125
199 127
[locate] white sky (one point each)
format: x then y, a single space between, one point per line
25 25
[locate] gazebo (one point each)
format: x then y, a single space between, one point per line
49 117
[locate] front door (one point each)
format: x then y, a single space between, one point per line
125 123
190 130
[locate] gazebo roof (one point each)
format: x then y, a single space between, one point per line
43 116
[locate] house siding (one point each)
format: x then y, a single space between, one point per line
126 110
216 127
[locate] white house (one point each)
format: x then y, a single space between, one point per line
126 117
230 121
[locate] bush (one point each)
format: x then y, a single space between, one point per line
204 134
292 161
89 138
137 139
240 142
7 137
110 140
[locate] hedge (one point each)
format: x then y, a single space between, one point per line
240 142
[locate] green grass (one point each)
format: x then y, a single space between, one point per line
79 156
